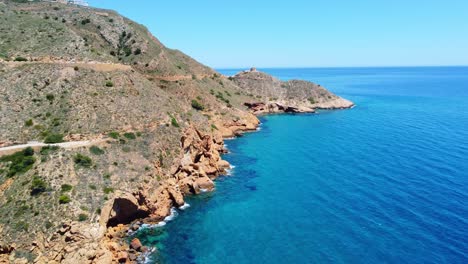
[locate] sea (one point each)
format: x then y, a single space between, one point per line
384 182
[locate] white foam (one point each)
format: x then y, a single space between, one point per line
203 190
146 256
185 206
173 215
160 224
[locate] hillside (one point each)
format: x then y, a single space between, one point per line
153 119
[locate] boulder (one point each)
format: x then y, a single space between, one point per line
122 256
123 209
205 183
135 244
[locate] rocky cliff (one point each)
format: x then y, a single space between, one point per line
294 96
150 122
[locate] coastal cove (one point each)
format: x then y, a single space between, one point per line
383 181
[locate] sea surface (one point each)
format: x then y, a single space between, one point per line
384 182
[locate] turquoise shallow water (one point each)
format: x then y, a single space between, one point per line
385 182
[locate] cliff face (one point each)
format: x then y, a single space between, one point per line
150 122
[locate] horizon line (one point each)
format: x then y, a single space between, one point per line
340 67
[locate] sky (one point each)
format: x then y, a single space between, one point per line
307 33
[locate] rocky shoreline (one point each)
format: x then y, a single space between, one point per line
196 173
200 165
138 126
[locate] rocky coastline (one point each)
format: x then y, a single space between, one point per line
105 129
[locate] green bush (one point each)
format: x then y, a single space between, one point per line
22 226
82 160
21 59
82 217
38 186
53 138
85 21
114 135
109 84
92 187
50 97
311 100
107 190
66 188
129 135
174 122
28 123
197 105
19 162
48 149
96 150
64 199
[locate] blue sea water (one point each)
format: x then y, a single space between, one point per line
384 182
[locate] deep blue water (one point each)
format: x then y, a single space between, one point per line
385 182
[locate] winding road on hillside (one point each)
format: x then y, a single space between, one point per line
66 145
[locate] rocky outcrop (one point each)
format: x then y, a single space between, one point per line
275 96
268 108
122 209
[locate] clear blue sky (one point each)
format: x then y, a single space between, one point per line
307 33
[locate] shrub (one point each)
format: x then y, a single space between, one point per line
85 21
50 97
114 135
21 59
130 135
126 149
109 84
20 162
82 160
82 217
38 186
48 225
48 149
96 150
64 199
28 123
137 51
53 138
66 188
174 122
127 50
213 126
76 68
21 226
92 187
311 100
197 105
28 151
107 190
